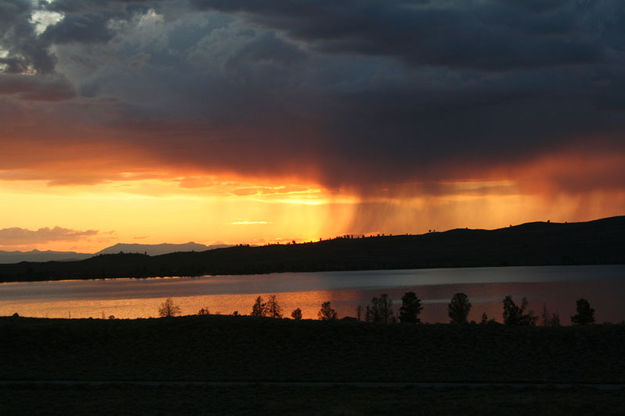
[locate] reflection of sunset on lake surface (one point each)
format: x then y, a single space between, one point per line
557 288
309 302
160 145
245 123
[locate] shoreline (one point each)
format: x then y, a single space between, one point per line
533 244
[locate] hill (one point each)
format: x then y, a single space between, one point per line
157 249
7 257
532 244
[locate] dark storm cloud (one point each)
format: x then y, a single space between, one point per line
19 39
84 28
356 93
488 35
88 6
485 83
11 10
49 88
84 22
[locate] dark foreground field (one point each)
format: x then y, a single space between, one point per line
259 400
256 350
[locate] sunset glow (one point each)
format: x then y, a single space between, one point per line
158 210
217 123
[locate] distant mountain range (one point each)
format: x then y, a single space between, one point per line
8 257
532 244
157 249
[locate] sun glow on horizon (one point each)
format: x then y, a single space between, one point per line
230 210
256 124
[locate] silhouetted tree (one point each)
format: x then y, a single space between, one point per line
168 309
458 309
203 311
484 319
585 314
545 315
326 313
359 312
515 315
297 314
258 309
410 308
380 310
550 319
272 308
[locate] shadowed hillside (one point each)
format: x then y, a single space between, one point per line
594 242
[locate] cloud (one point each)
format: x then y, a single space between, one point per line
20 236
367 96
31 29
490 35
83 28
29 88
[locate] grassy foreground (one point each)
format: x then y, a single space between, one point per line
256 400
226 348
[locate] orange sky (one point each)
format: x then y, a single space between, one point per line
222 209
106 190
250 122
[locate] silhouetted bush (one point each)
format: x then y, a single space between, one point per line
297 314
203 311
272 308
458 309
380 310
585 314
515 315
168 309
258 309
485 320
410 308
326 313
550 319
269 309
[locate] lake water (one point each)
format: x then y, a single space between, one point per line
557 287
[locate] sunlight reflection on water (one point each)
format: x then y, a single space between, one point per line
555 286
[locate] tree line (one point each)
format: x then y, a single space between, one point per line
380 310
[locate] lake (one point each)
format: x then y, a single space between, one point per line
556 287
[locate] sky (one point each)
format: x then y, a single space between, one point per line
247 121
